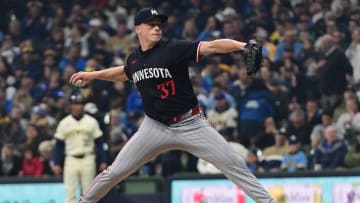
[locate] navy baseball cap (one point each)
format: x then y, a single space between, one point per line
293 139
219 96
148 14
77 98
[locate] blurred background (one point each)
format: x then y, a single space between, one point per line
296 123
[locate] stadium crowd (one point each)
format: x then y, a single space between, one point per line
300 112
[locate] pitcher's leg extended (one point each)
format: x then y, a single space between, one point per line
145 145
208 144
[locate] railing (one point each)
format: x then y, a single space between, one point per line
316 185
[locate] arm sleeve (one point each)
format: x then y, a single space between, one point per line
127 73
59 151
347 65
284 162
96 130
317 157
59 133
338 158
99 143
127 65
352 159
39 168
302 162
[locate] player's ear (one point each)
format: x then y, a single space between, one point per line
137 29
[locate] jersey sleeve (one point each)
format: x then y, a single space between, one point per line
59 133
96 130
126 68
127 73
185 50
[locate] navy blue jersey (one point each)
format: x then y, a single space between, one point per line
161 75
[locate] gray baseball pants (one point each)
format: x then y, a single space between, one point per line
194 135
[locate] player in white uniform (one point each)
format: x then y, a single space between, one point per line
77 135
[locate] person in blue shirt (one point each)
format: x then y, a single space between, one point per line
252 161
295 159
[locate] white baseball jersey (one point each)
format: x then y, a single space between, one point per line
224 119
78 135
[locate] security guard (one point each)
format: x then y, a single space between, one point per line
77 135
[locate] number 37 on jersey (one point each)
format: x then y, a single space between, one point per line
166 89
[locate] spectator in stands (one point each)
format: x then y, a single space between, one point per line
352 158
215 90
313 112
77 37
74 58
317 134
331 152
281 98
252 161
34 24
9 51
210 28
290 41
266 137
269 47
190 31
272 156
33 138
222 116
299 127
95 34
134 102
349 94
117 140
333 70
255 107
13 133
23 100
45 151
10 162
15 33
29 63
56 40
174 26
294 80
122 41
295 159
31 165
240 85
101 55
339 39
353 54
349 121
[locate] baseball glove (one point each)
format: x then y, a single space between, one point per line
253 56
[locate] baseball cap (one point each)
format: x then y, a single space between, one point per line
95 22
77 98
219 96
148 14
293 139
283 131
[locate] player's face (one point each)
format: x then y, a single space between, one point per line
150 30
77 109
